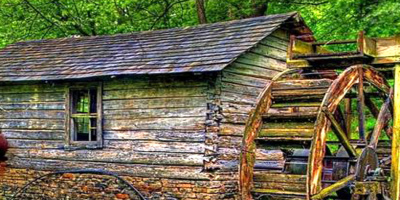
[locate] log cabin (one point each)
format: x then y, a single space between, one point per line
163 110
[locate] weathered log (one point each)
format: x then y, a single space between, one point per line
138 170
157 135
182 123
176 102
111 156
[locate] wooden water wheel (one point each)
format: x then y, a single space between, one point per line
310 137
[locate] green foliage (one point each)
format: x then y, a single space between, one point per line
329 19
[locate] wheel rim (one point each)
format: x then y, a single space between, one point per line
326 120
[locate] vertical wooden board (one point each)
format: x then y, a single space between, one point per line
395 171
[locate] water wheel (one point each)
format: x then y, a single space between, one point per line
317 136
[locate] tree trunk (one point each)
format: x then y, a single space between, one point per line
201 12
259 7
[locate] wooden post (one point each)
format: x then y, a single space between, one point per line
360 106
348 116
395 185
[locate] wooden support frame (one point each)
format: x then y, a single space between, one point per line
395 170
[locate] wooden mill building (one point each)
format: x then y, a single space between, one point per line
164 110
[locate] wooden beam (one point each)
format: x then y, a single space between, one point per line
247 156
360 105
371 106
382 121
334 187
395 169
341 134
348 116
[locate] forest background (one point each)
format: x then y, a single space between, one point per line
329 19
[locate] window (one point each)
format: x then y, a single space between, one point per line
84 123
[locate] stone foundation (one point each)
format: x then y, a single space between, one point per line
90 186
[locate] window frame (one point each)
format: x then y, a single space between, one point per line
70 143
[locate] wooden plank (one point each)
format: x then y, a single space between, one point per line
155 113
279 192
301 84
271 62
295 187
49 124
137 170
241 89
279 177
270 52
155 123
32 114
263 62
276 42
264 154
35 144
154 93
159 135
177 102
229 141
290 132
32 88
236 98
299 93
395 166
33 106
232 129
143 82
33 134
235 118
111 156
230 77
32 97
289 125
251 70
156 146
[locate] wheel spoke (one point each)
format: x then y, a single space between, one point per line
382 121
334 187
360 105
337 129
371 106
348 116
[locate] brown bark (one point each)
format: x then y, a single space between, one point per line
201 11
260 7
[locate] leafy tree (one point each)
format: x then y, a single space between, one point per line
329 19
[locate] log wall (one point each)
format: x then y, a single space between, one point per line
242 82
154 130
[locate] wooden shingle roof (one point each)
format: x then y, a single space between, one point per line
202 48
